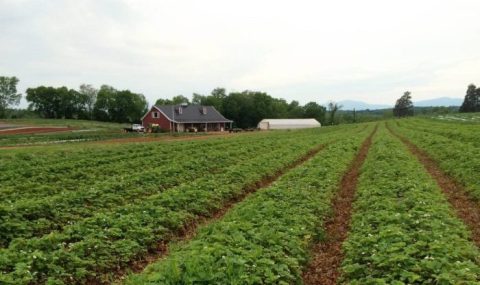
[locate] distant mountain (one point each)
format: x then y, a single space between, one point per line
359 105
442 101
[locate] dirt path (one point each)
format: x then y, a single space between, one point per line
190 230
327 256
465 207
33 130
165 138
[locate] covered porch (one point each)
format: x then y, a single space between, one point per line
201 127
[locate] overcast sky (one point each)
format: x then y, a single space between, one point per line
370 50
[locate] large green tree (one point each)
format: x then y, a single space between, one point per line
8 93
404 106
471 103
314 110
295 110
119 106
45 101
61 102
89 96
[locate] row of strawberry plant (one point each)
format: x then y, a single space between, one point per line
403 230
265 239
94 246
458 159
54 175
462 133
51 174
35 217
27 217
63 137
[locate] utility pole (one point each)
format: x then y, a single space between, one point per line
354 116
173 119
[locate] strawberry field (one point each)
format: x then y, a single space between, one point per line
256 208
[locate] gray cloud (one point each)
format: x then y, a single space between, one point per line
299 50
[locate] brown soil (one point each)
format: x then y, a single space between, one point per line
163 138
33 130
327 255
465 206
189 231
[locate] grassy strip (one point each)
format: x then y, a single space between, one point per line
264 239
459 160
94 247
403 231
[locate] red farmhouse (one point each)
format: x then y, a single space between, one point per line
182 118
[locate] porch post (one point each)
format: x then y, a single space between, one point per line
206 127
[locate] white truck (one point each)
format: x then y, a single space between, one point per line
135 128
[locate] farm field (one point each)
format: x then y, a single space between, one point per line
46 132
391 202
24 132
459 117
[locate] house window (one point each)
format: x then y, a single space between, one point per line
204 110
180 110
155 115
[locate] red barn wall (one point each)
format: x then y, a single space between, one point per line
162 121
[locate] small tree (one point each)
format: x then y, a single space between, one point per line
471 103
8 93
89 96
332 110
404 106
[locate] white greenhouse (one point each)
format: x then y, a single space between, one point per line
283 124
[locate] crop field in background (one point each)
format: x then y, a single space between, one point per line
460 117
46 132
389 202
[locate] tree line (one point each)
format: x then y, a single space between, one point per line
247 108
104 104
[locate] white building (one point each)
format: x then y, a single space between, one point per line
283 124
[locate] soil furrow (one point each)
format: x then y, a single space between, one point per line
466 208
327 255
190 230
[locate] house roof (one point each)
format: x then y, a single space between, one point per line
292 122
192 114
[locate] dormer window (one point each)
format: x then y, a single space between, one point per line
204 110
180 110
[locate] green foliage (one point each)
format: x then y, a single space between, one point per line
247 108
8 93
119 106
106 104
333 108
72 215
176 100
57 103
403 230
404 106
313 110
265 239
471 102
89 95
454 146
